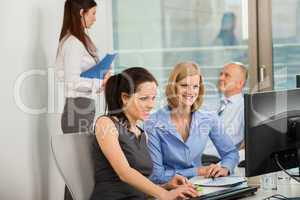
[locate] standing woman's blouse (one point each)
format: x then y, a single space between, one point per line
73 59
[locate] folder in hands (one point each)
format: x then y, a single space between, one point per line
100 69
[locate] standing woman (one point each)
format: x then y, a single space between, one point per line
77 53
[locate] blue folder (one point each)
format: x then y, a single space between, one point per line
100 69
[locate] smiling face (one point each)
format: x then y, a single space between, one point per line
231 80
187 90
88 18
138 106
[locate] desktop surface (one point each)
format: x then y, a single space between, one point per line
290 190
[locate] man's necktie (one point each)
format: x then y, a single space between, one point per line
222 107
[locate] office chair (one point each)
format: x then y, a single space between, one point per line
73 158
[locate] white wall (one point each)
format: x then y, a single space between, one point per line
28 41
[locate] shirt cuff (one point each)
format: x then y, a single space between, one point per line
191 172
159 178
228 166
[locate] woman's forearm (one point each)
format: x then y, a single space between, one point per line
137 180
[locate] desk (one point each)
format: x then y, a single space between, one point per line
292 190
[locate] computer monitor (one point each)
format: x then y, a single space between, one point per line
272 129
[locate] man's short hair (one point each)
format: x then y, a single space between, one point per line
242 68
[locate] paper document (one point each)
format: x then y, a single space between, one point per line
227 181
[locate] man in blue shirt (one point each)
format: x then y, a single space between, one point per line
231 107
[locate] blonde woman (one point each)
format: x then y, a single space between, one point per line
178 133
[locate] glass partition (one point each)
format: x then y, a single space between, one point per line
157 34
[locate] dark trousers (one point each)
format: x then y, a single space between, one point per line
77 117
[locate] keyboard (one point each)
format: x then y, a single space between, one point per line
230 193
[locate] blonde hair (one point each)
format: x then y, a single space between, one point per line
181 71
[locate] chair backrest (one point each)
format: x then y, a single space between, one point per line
73 157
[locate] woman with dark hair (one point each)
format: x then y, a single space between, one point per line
77 53
122 161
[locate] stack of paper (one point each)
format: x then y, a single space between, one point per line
207 185
227 181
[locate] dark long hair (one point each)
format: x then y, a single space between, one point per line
127 82
72 22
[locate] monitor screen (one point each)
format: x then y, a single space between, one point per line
268 116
